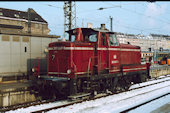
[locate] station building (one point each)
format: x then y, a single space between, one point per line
150 45
24 37
14 21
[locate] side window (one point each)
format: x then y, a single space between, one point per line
113 40
93 38
73 38
103 39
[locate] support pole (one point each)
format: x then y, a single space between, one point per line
111 23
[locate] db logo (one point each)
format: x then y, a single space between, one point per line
114 56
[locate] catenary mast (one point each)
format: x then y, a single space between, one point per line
69 15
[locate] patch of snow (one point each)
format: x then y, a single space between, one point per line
150 82
149 107
37 107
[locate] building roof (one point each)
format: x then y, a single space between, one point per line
15 14
159 35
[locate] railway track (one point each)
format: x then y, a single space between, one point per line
68 103
25 105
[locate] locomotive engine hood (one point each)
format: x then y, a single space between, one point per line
59 58
129 46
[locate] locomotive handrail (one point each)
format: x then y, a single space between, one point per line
89 66
74 66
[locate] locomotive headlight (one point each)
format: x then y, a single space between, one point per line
33 70
46 50
68 71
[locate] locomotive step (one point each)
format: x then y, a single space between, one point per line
79 96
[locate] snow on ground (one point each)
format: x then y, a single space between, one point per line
117 103
150 82
110 104
37 107
149 107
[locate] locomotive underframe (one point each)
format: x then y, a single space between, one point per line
50 86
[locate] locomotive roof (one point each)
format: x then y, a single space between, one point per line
91 29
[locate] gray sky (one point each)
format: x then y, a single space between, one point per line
132 17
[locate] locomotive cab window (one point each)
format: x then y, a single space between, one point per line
89 35
113 40
93 37
85 36
72 36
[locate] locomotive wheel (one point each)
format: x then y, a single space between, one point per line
140 78
63 91
123 84
47 94
60 94
143 78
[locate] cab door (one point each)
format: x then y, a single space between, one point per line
114 54
102 53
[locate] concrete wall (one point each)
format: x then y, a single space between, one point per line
17 53
159 70
14 98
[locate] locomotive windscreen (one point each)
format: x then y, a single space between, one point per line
88 35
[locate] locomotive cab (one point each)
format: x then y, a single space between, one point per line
97 43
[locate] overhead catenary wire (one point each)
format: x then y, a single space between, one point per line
134 28
113 6
123 8
126 26
53 6
144 15
141 14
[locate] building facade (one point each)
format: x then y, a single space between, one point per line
19 52
155 42
14 21
150 45
24 37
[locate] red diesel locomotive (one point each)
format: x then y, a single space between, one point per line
91 61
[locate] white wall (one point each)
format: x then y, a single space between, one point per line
14 59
